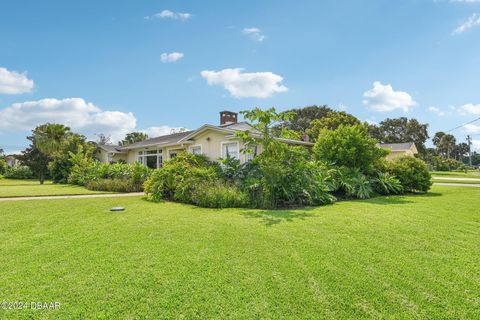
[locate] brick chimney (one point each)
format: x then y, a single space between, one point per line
228 117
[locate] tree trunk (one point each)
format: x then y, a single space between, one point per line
42 178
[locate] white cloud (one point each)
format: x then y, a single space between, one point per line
254 34
472 128
81 116
436 110
12 82
469 108
472 21
162 130
384 99
246 85
476 145
171 57
167 14
465 1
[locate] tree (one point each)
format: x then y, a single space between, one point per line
35 160
437 138
103 139
460 150
50 136
349 146
401 130
447 144
331 121
61 164
267 124
300 119
133 137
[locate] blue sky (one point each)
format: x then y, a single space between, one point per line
98 65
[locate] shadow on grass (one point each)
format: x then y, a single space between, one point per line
273 217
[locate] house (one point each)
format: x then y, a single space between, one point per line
399 149
12 160
214 141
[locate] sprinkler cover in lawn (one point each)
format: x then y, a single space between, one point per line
117 209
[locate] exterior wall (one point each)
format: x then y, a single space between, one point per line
104 156
396 154
210 142
11 161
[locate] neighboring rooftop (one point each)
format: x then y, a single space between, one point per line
397 146
162 140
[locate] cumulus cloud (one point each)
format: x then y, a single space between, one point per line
383 98
469 108
254 34
162 130
12 82
436 110
167 14
472 21
246 85
81 116
171 57
476 145
472 128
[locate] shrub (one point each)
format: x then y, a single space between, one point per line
349 146
218 195
442 164
19 172
86 170
3 166
386 184
352 183
411 172
114 185
178 176
285 178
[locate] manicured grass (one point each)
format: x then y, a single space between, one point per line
28 188
456 174
456 181
400 257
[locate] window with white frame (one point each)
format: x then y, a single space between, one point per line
151 158
196 149
250 152
230 149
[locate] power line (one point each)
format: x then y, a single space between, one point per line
463 125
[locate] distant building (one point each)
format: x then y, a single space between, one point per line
12 160
399 149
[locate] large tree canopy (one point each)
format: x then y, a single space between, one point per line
133 137
401 130
301 118
331 121
349 146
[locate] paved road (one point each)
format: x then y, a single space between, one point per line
456 184
455 178
75 196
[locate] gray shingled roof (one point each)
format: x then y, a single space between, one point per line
110 148
396 146
166 139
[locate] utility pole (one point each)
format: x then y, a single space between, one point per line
469 141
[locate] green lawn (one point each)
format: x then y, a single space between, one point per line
396 257
24 188
457 174
453 180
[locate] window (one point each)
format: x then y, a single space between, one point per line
151 158
230 149
196 149
251 152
